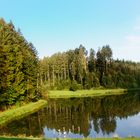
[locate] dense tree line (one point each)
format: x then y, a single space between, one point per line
78 69
18 66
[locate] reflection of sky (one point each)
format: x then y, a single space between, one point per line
125 127
129 126
100 134
52 133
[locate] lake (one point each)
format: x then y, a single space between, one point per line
108 116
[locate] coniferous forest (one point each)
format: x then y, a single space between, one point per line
18 66
23 75
80 69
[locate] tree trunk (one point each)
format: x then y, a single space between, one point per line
45 77
65 73
48 75
53 77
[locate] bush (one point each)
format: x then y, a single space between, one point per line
74 86
60 86
63 84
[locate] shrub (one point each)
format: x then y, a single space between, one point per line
74 86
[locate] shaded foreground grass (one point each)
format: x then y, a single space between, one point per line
20 112
8 138
4 138
87 93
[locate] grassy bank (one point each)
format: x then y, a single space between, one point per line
14 138
20 112
87 93
4 138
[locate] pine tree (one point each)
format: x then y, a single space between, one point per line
18 66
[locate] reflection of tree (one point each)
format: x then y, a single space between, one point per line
75 115
107 125
96 125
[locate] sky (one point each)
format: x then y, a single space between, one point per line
59 25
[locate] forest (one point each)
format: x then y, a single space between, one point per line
23 75
78 69
18 67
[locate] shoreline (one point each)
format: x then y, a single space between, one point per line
20 112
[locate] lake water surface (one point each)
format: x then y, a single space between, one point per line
82 117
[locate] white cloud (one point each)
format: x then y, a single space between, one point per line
134 37
127 52
133 40
131 47
137 28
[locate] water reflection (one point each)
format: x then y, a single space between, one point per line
82 117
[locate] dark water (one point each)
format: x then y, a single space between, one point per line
82 117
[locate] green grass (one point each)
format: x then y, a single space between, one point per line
12 138
86 93
20 112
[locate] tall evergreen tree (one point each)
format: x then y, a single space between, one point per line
18 66
91 61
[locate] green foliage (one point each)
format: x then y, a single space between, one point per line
91 61
96 70
108 82
63 84
74 86
18 66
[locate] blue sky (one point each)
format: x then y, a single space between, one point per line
60 25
